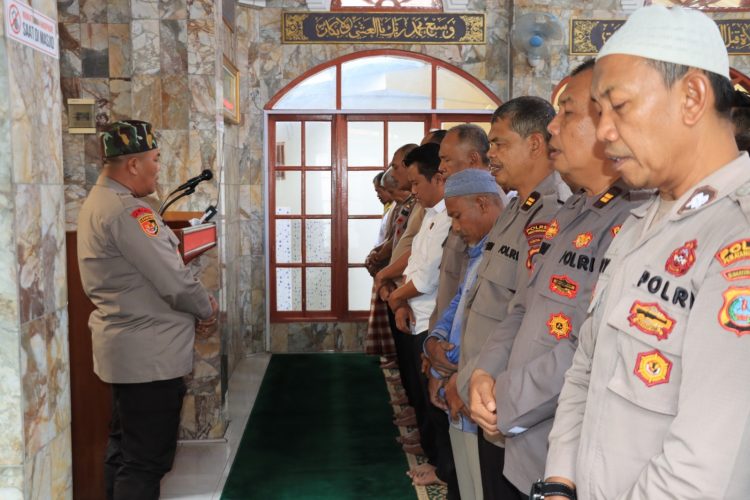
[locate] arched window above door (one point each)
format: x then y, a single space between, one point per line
388 80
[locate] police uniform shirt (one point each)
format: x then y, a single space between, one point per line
656 403
146 299
452 267
543 322
512 244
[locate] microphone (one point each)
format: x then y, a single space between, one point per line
206 175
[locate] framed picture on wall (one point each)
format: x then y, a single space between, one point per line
231 92
707 5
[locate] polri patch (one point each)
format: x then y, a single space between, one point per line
563 285
738 250
653 368
583 240
741 273
700 197
615 229
681 259
146 220
734 315
559 326
552 229
651 319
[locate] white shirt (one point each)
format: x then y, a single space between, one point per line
384 224
424 263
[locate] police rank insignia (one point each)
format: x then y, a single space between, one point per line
682 259
738 250
530 201
583 240
563 285
559 326
700 197
615 229
735 312
652 368
610 195
146 220
552 228
651 319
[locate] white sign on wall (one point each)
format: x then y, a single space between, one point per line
29 27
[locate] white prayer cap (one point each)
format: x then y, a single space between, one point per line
674 35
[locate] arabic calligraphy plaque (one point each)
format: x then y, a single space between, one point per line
409 28
587 36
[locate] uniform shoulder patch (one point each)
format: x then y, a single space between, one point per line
563 285
559 326
740 273
530 201
681 259
651 319
735 251
146 220
734 315
552 229
583 240
607 197
615 229
653 368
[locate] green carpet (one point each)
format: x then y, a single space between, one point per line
320 429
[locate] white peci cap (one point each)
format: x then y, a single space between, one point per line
674 35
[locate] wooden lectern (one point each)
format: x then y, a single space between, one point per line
194 240
91 404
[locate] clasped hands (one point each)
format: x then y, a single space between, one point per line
203 325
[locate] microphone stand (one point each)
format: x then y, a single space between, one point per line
167 202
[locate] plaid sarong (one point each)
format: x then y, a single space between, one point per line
379 339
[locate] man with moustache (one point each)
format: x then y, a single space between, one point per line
536 341
655 404
147 305
519 157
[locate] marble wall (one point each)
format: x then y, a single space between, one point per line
160 61
35 459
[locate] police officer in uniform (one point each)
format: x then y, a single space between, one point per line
147 304
656 403
519 160
536 341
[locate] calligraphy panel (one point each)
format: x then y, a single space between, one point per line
587 36
408 28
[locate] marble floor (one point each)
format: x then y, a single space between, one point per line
201 469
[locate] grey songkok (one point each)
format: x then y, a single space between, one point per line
674 35
468 182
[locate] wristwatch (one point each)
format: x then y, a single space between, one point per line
541 490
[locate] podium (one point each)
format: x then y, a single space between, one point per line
194 240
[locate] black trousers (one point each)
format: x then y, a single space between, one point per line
142 438
491 462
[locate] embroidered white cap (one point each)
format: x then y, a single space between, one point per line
674 35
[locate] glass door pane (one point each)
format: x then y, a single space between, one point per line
288 144
318 289
484 125
365 144
317 144
400 133
361 193
360 289
362 236
317 193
